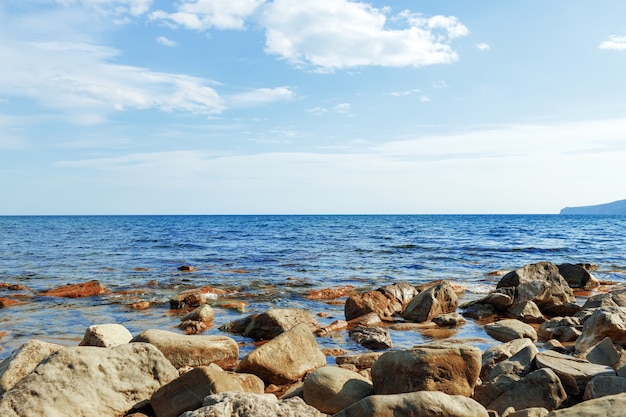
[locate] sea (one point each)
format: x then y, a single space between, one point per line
273 261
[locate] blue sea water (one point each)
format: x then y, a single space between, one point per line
271 261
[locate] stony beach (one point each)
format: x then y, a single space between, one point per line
554 355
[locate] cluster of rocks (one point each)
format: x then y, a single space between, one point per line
555 358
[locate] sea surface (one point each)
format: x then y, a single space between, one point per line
272 261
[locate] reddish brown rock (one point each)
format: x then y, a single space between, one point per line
86 289
8 302
363 303
331 293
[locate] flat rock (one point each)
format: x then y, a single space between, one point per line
421 403
575 373
609 406
510 329
85 289
192 350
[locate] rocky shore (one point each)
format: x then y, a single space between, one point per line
556 356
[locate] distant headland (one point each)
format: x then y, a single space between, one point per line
616 207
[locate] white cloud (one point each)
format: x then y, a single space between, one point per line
343 108
260 96
405 93
113 7
79 77
483 46
318 111
205 14
165 41
615 43
339 34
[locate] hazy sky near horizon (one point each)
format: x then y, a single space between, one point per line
328 106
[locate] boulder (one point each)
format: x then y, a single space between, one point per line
518 365
402 291
330 389
244 404
192 350
271 323
604 322
449 368
574 373
421 403
563 329
526 311
449 320
540 388
603 353
614 298
371 337
601 386
371 302
203 313
23 361
287 358
106 335
186 392
88 381
578 277
434 301
609 406
510 329
541 283
479 311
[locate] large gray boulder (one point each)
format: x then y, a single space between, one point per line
604 322
90 381
244 404
192 350
609 406
23 361
273 322
421 403
449 368
541 283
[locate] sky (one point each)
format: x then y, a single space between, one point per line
327 106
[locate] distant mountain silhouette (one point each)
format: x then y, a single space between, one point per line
616 207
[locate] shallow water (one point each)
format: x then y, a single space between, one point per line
273 261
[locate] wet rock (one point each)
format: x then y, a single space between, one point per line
578 277
540 388
186 350
287 358
191 299
574 373
449 320
86 289
331 293
432 302
88 381
363 303
403 292
271 323
23 361
371 337
9 302
614 298
422 403
187 268
330 389
203 313
541 283
238 326
509 329
609 406
479 311
243 404
106 335
333 327
186 392
604 322
450 368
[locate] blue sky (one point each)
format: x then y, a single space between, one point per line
331 106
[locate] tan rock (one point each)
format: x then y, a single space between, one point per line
498 353
192 350
449 368
23 361
186 392
330 389
421 403
88 381
609 406
362 361
604 322
287 358
271 323
376 302
432 302
106 335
